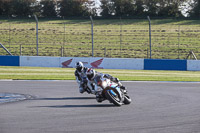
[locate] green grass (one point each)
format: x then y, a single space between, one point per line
171 38
39 73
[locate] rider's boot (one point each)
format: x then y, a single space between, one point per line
99 98
81 90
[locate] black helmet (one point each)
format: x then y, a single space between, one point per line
79 66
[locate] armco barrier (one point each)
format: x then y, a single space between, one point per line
9 61
165 64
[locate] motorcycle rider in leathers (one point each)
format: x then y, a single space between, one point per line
94 76
80 73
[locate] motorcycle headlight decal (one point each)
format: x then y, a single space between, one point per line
113 93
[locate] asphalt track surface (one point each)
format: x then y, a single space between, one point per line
57 107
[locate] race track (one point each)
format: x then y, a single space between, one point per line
58 107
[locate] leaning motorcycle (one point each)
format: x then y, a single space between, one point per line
113 93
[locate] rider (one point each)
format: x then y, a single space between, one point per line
94 76
80 73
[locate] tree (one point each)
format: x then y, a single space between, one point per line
139 8
164 8
73 8
124 7
22 7
5 7
170 8
48 8
152 7
1 7
90 8
107 7
195 8
36 8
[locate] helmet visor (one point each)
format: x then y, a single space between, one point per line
90 76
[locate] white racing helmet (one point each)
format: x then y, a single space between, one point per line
79 66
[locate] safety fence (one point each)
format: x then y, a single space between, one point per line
116 38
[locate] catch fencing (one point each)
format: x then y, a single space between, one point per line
116 38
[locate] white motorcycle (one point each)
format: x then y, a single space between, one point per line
113 93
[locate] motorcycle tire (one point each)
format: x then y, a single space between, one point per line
113 99
127 100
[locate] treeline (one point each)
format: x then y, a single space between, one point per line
103 8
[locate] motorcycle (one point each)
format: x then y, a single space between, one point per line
113 93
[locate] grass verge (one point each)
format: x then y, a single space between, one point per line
39 73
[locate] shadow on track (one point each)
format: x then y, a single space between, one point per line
79 106
66 98
73 106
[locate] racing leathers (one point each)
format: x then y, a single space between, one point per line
80 76
93 83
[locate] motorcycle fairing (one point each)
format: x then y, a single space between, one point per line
113 93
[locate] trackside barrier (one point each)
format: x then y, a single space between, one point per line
101 63
193 65
39 61
9 61
165 64
104 63
94 62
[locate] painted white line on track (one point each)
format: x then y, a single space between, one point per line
40 80
162 81
6 80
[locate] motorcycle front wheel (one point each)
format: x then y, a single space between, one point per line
127 100
113 98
